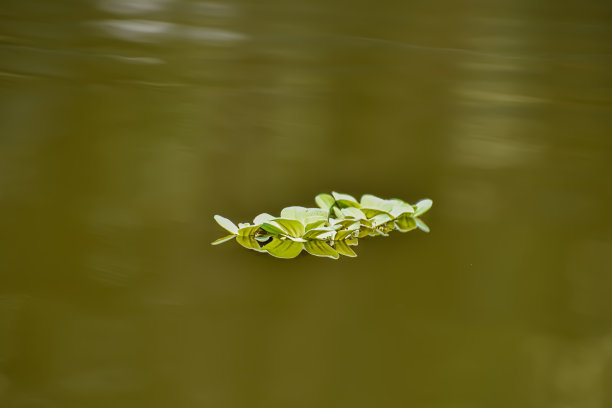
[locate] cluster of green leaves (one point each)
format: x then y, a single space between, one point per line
328 231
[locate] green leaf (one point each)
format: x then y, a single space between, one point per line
284 248
294 228
343 234
354 213
422 207
345 200
294 213
273 228
365 223
400 207
264 217
320 248
352 241
371 212
370 201
405 223
340 196
227 224
381 219
397 212
314 221
249 242
317 213
376 203
338 213
346 224
316 233
343 249
325 201
222 240
421 225
247 231
354 227
368 232
314 225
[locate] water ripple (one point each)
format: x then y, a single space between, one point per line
156 31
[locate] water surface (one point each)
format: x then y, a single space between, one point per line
125 125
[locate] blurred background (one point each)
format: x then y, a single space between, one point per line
125 125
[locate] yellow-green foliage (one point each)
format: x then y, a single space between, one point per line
328 231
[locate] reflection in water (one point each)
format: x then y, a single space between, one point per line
143 30
137 30
133 6
158 31
492 123
570 373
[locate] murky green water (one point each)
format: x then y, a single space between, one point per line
126 124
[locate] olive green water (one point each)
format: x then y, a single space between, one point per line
125 125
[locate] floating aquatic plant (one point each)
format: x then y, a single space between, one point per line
328 231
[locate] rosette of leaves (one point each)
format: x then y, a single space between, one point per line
327 231
377 216
395 213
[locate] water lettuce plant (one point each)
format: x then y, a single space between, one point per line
329 230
